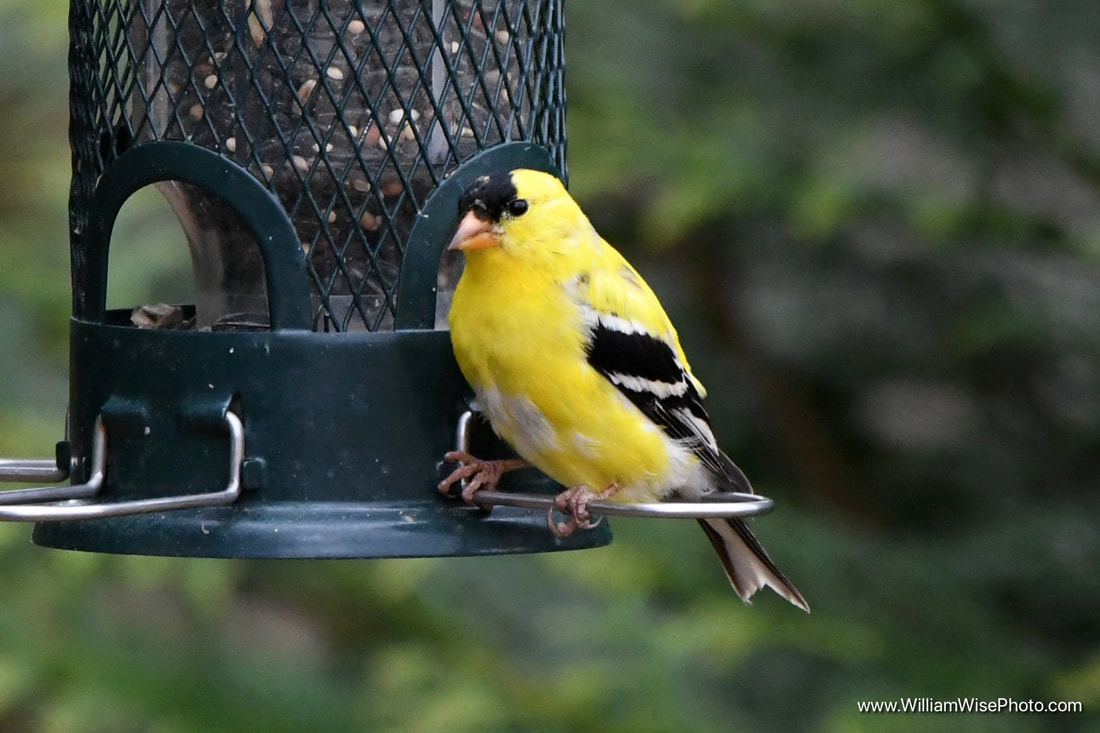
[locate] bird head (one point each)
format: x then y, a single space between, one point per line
524 212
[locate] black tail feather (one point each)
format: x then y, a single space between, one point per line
746 562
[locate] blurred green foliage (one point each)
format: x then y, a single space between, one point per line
876 225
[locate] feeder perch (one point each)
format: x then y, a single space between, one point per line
314 153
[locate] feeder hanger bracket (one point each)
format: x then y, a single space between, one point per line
66 503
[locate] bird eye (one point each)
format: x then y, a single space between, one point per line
517 207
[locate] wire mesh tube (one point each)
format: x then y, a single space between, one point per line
349 112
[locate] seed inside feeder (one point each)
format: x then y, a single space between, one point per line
398 115
256 30
390 109
306 90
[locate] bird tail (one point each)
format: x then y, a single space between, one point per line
746 561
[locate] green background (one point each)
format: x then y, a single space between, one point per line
876 225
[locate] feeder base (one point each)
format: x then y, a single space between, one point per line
310 530
343 438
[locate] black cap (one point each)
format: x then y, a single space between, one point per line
488 196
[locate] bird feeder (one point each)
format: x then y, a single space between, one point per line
314 154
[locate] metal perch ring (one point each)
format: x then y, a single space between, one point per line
727 504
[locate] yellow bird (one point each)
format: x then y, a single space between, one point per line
575 364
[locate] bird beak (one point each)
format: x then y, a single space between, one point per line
474 233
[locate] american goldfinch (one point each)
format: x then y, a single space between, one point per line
575 364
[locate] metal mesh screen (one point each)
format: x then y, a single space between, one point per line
349 112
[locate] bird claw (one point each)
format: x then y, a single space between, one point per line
574 502
481 475
561 530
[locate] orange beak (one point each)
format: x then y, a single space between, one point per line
474 233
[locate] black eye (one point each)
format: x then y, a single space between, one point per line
517 207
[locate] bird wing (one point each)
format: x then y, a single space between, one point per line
631 343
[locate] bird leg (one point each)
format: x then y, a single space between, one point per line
574 502
483 475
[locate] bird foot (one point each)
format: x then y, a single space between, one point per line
574 502
482 475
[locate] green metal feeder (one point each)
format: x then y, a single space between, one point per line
314 153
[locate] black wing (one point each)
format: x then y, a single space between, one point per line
648 372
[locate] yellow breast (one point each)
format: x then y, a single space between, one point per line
519 341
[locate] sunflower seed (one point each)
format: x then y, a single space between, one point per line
306 90
369 221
